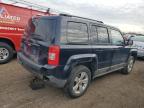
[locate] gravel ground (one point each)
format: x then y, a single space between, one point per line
110 91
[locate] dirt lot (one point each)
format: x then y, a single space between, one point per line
111 91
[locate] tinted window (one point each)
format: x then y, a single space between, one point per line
42 28
93 34
102 35
77 32
139 38
117 38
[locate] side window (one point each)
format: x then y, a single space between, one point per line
94 34
117 38
77 32
102 35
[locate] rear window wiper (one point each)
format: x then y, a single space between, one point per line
35 36
38 38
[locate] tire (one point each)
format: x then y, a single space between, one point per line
6 53
127 69
80 78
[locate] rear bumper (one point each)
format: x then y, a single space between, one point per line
42 70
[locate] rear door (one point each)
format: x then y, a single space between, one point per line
101 47
120 51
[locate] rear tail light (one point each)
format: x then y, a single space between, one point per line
53 55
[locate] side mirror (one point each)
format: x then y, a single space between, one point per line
129 42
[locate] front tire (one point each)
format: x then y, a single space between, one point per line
78 82
129 66
6 53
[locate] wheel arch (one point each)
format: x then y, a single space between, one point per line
133 53
8 41
88 60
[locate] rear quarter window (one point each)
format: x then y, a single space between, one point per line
77 32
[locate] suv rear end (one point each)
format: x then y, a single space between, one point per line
40 48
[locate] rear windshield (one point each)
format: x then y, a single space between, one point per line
42 28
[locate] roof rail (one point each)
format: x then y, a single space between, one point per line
63 14
36 6
30 4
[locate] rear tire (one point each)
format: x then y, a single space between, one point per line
6 53
78 82
129 66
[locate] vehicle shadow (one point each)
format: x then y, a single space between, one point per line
140 59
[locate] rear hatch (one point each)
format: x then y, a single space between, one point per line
38 35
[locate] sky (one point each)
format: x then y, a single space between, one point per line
128 15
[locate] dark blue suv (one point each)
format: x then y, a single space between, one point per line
70 51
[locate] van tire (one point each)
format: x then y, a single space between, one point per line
9 50
76 71
130 64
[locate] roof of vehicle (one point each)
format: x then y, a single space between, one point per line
82 18
88 19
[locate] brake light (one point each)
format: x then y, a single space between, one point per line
53 55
